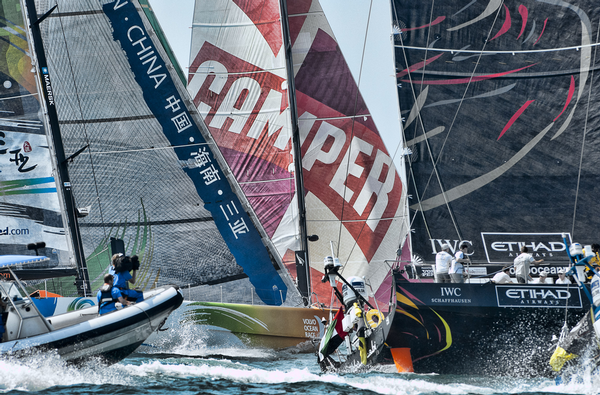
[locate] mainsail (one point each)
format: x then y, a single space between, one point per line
240 83
142 159
31 204
498 103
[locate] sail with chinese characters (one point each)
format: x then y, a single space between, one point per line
31 204
142 159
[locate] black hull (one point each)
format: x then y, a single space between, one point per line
377 350
482 329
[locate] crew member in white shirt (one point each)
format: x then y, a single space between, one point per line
562 279
542 278
502 277
443 260
522 263
457 270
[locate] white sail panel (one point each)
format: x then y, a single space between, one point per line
238 81
148 169
355 196
30 203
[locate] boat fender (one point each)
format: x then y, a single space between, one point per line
371 314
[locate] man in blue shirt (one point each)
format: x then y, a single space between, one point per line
109 295
122 267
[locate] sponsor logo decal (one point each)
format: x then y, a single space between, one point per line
505 247
551 296
313 328
451 295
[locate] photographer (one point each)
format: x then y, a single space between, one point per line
122 266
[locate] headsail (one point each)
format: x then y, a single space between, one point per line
238 80
148 168
354 195
497 99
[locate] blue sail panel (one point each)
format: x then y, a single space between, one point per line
198 157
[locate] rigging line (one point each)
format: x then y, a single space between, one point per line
149 149
360 70
403 153
381 186
412 176
79 106
456 116
419 123
355 244
459 51
420 118
443 193
587 112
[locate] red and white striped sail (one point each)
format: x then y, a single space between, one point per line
354 194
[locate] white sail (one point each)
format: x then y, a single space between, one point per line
354 194
31 205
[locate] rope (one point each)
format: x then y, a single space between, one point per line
85 132
353 117
420 118
362 58
584 135
451 50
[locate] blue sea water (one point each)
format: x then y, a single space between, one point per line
253 372
186 361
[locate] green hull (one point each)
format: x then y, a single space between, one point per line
261 326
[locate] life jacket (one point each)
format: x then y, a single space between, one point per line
106 296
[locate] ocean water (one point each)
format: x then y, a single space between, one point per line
186 361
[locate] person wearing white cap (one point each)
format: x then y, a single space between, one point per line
542 278
443 260
562 279
522 263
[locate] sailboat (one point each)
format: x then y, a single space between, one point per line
497 100
584 338
278 97
76 335
140 160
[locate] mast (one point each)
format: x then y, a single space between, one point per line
302 261
82 281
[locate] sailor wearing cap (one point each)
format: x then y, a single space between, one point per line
443 260
542 278
562 279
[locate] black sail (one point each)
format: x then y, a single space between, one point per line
499 111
